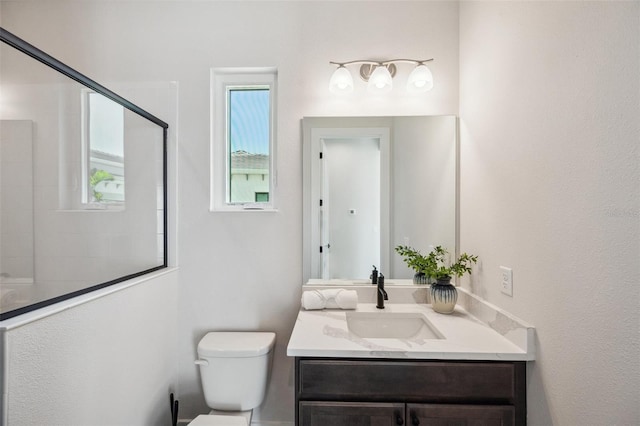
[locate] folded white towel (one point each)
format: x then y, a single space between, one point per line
313 300
339 298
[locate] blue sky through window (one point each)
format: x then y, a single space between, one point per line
249 120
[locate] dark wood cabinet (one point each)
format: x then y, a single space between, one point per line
383 392
322 413
460 415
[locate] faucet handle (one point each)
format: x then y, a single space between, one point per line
374 275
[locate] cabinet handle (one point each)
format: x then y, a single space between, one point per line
414 419
399 419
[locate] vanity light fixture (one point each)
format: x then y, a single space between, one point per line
341 81
379 76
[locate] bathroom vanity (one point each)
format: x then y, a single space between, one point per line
343 391
407 365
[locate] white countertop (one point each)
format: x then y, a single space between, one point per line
324 333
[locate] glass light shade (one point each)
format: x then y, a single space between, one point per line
420 80
341 81
380 80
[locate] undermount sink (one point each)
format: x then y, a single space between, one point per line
391 325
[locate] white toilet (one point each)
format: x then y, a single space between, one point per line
234 368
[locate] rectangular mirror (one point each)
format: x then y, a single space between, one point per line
82 183
372 183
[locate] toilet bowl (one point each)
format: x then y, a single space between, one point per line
234 369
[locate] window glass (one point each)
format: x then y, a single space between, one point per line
248 142
105 145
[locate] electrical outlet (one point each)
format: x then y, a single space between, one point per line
506 275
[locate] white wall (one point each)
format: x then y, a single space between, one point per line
108 362
550 186
243 271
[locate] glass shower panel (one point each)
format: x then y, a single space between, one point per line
69 149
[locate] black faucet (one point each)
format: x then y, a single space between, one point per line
382 295
374 275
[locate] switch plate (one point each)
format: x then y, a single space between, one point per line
506 275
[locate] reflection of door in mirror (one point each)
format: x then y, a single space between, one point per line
355 155
351 199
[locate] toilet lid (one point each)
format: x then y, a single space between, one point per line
236 344
215 420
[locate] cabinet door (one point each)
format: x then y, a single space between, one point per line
322 413
460 415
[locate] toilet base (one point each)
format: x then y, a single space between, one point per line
246 414
223 418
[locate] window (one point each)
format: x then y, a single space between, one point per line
103 151
242 139
262 197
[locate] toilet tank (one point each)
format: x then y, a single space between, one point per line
234 368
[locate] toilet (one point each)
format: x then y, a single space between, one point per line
234 369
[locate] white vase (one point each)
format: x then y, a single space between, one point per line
420 278
443 296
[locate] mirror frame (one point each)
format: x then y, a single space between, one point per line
46 59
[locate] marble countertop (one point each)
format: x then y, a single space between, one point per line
324 333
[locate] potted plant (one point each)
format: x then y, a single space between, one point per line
416 261
443 294
435 266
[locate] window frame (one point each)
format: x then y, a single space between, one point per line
223 80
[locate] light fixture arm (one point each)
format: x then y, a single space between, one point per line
370 62
343 64
407 61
